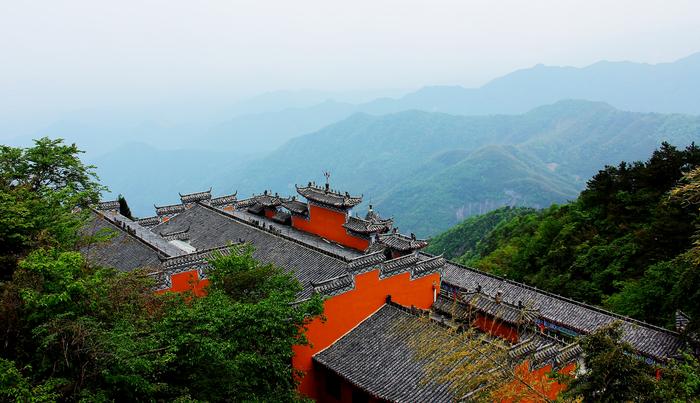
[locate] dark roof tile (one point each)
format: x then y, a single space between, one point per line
328 197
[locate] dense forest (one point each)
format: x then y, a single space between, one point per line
628 243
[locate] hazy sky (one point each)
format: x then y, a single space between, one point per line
58 55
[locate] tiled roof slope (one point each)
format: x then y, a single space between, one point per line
196 196
648 340
361 226
120 251
398 241
328 197
210 228
307 238
379 356
376 357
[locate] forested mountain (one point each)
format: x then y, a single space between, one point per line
626 243
430 170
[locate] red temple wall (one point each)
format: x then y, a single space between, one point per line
538 379
345 311
328 224
269 213
496 328
186 281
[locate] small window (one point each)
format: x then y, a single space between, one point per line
333 385
359 396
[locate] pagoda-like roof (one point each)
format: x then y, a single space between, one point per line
356 224
296 207
372 223
402 242
223 200
171 209
267 199
111 205
324 195
148 221
282 217
195 197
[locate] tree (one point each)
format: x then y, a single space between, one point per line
40 188
680 381
81 332
74 331
613 373
236 342
124 207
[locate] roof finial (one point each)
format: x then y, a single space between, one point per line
327 174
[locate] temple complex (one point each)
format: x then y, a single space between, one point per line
380 291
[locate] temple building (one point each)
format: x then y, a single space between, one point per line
373 279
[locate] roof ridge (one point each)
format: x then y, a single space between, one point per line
563 298
161 253
288 238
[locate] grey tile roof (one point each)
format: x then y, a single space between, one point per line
195 197
465 303
366 262
361 226
108 205
304 237
256 208
328 197
210 228
171 209
377 356
296 207
397 241
148 221
120 250
282 217
650 341
223 200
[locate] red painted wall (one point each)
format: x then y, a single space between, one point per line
269 212
496 328
186 281
328 224
345 311
538 380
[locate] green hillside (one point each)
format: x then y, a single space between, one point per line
625 243
431 170
460 241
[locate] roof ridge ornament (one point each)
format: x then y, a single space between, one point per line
327 175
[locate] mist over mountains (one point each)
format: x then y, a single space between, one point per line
427 170
429 158
263 123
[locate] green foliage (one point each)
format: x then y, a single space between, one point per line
124 207
680 381
623 244
612 372
98 332
461 239
40 187
74 332
15 387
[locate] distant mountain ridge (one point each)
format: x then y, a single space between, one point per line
264 123
639 87
430 170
